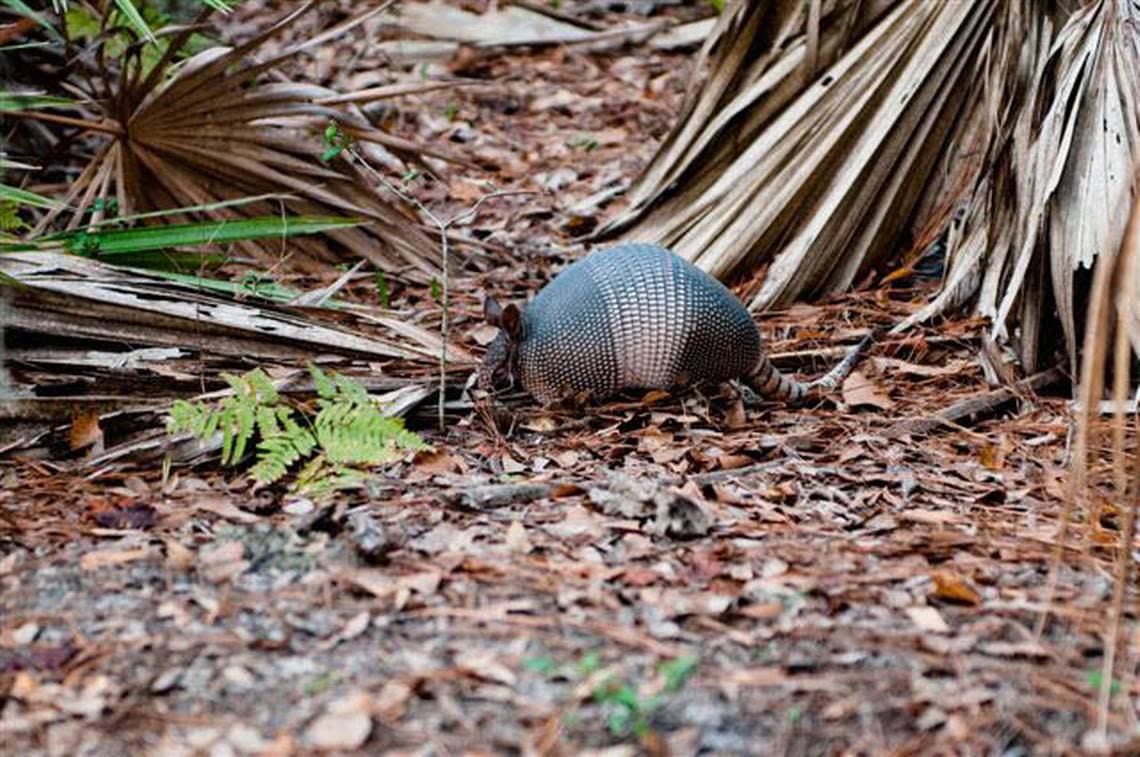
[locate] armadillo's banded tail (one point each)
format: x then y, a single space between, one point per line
770 382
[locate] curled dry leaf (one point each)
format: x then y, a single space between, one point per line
953 588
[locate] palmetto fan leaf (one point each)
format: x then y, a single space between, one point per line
808 148
223 125
825 130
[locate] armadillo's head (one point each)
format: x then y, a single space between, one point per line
501 361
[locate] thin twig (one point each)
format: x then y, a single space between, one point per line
445 273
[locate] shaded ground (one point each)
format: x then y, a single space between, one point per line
815 580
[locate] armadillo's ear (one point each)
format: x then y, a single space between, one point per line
509 320
492 313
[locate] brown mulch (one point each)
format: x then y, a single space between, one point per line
810 580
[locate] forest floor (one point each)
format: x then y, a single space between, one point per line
659 574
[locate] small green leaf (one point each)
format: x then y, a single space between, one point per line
436 289
541 665
1096 679
381 289
589 663
676 672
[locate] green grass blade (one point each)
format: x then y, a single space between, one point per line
187 210
267 290
135 19
24 197
10 101
109 242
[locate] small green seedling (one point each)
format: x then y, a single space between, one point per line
583 142
336 142
629 710
1095 679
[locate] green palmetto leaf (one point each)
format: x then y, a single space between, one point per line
135 19
24 197
121 241
268 290
13 101
190 209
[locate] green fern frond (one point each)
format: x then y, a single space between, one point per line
325 387
349 432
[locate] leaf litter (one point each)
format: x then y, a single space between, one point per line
493 594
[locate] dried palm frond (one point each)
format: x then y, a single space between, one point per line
752 64
809 152
829 168
1073 170
222 125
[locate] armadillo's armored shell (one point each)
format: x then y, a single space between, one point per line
633 316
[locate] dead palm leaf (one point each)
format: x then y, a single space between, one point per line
813 176
223 125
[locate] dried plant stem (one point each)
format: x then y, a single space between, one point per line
1123 278
106 126
442 225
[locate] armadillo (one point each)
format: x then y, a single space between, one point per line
635 316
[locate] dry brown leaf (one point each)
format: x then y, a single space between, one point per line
931 517
510 465
178 557
542 424
517 540
224 507
858 390
928 619
86 432
345 724
952 587
223 562
953 368
484 664
484 335
103 557
991 456
567 458
392 700
437 461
